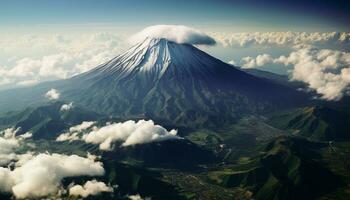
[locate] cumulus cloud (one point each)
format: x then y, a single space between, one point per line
9 143
67 107
68 137
232 62
52 94
41 175
324 70
26 60
137 197
90 188
74 132
249 62
280 38
263 59
259 61
29 71
175 33
83 126
129 132
32 175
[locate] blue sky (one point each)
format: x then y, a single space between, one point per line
238 15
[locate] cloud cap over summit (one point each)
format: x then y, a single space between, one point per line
176 33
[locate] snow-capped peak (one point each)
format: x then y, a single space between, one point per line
153 58
175 33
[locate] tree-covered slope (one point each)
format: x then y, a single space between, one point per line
289 168
317 122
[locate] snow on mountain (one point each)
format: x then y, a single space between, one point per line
153 57
168 82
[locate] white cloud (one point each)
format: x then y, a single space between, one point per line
175 33
259 61
232 62
23 158
249 62
52 94
129 132
29 71
25 135
263 59
92 157
324 70
29 59
73 133
137 197
68 137
90 188
67 107
280 38
9 143
42 174
83 126
32 175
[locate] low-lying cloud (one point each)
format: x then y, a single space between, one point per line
324 70
90 188
75 132
37 175
289 38
259 61
66 107
9 144
137 197
129 133
41 175
26 60
53 94
175 33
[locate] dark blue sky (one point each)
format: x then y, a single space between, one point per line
321 15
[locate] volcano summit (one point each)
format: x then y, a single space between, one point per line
169 82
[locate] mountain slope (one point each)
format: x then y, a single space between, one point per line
277 78
317 122
177 83
290 168
169 82
46 121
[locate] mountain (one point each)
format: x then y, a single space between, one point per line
289 168
170 154
277 78
46 121
316 122
173 83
